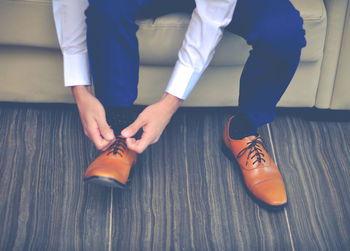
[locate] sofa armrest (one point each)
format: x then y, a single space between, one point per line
341 91
336 12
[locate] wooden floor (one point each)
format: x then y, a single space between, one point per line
185 193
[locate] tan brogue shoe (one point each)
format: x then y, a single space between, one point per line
112 167
260 173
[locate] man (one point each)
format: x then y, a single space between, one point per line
272 27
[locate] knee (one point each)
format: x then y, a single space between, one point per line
111 11
282 36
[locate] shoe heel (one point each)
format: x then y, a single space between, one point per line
227 152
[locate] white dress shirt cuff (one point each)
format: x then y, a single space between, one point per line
182 81
76 69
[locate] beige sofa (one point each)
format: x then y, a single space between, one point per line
31 64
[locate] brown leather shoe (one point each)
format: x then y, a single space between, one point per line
260 173
112 167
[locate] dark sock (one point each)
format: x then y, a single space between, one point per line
241 127
120 117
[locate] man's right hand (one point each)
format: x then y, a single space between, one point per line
93 118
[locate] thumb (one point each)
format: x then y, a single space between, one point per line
105 129
132 129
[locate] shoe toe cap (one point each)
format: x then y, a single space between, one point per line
271 192
118 173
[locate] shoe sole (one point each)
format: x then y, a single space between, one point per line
105 181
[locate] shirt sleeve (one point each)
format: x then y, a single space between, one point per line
204 32
71 32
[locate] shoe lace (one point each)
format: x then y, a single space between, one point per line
118 147
254 148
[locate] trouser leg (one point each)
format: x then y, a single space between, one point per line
274 30
114 54
113 46
113 49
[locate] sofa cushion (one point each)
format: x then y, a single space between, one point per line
27 23
159 39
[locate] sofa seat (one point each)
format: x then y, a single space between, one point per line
29 51
159 39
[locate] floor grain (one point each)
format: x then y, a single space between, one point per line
187 195
314 157
185 192
44 204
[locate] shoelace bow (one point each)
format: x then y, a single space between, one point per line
118 147
254 148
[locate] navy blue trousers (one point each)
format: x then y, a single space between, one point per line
272 27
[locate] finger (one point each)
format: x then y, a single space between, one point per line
132 129
97 139
108 145
105 129
133 145
95 136
140 145
130 143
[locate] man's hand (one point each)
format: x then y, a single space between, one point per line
93 118
152 120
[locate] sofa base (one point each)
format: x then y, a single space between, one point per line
18 63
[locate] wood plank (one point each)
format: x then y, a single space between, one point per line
314 156
44 204
187 195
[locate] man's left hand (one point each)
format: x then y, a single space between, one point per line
153 119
